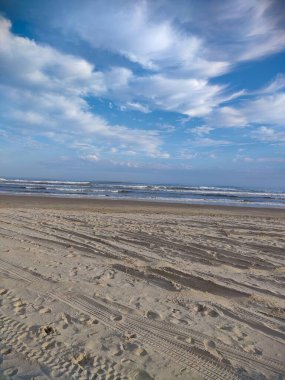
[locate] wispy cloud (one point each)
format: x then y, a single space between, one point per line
137 31
209 142
268 134
135 107
90 157
202 38
200 131
43 88
264 106
190 96
249 159
277 84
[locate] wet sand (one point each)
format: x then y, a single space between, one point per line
138 290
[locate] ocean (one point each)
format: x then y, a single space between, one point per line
138 191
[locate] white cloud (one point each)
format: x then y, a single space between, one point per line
271 159
200 131
178 44
201 38
264 34
208 142
268 134
277 84
151 166
180 48
186 154
135 107
236 30
164 155
137 31
90 157
268 109
264 108
190 96
227 117
42 88
33 67
26 64
193 97
167 128
117 79
29 117
248 159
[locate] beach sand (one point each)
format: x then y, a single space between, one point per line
137 290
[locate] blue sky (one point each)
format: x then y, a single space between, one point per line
160 91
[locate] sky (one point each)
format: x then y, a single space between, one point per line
158 91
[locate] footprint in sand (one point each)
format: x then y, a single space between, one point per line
212 313
83 359
251 348
104 369
130 335
205 310
48 345
237 334
141 375
210 346
200 308
19 307
83 318
65 318
153 315
44 310
135 349
231 333
177 321
92 321
116 318
46 330
111 274
190 340
130 346
73 271
5 351
54 264
10 372
116 351
70 255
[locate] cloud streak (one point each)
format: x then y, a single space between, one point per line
43 88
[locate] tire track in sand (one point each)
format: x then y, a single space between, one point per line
158 335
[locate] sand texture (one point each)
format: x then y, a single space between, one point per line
125 290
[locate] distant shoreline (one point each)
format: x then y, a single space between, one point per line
57 202
142 192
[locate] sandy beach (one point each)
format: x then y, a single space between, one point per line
137 290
